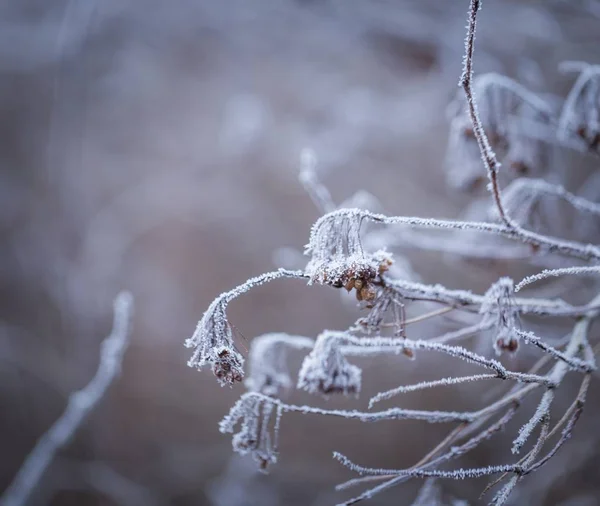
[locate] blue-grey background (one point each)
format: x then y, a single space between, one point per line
154 146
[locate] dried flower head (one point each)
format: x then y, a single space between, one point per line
499 309
325 370
517 124
580 117
268 372
254 414
337 256
213 340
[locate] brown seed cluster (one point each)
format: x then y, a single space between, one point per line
227 368
362 281
511 344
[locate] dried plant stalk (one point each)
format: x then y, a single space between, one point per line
495 112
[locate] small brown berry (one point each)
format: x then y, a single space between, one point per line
367 292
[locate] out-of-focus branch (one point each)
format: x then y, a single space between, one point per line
81 403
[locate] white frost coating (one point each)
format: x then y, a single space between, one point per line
253 414
567 271
325 370
335 236
516 121
213 338
317 191
268 372
523 193
521 128
579 121
388 394
501 310
575 363
336 250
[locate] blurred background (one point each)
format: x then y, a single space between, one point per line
155 146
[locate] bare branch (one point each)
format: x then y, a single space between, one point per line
81 403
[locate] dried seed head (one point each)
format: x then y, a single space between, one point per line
228 366
325 370
517 124
268 371
580 117
500 310
254 414
337 256
213 341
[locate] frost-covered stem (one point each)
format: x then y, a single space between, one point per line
425 463
580 399
213 339
487 153
317 191
573 66
522 467
587 72
575 363
426 316
409 238
387 343
566 434
81 403
576 345
549 244
570 417
542 187
566 271
465 299
389 414
388 394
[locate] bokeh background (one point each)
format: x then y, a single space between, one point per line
155 146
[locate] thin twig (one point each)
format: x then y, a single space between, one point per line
81 403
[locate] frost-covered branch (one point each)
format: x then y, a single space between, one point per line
213 338
497 122
567 271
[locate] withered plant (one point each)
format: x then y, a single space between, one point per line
493 120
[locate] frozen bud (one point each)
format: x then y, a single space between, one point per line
325 370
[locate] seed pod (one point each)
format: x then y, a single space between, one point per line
349 285
367 292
